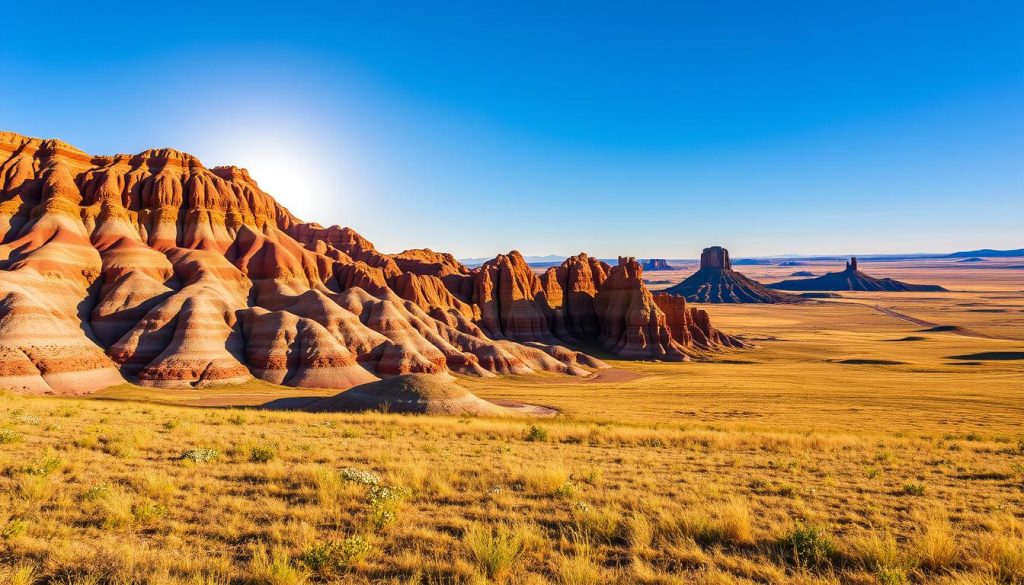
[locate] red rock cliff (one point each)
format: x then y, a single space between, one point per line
153 268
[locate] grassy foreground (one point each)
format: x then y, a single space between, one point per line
121 492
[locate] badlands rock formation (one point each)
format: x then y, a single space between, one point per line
717 282
852 279
155 269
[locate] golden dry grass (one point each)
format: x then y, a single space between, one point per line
596 501
777 465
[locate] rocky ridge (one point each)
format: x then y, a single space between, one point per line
154 269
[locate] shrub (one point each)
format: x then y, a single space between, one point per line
44 466
787 490
96 492
893 576
383 502
200 455
8 436
652 442
261 454
354 549
592 476
807 545
493 549
238 418
536 434
913 489
13 528
21 417
147 512
565 491
326 558
359 476
321 558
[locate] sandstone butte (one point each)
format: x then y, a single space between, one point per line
154 269
851 278
717 282
655 264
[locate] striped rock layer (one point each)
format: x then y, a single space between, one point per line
154 269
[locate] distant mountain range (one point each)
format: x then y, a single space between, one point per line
988 253
555 260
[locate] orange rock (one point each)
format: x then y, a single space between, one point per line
632 325
578 280
155 269
507 290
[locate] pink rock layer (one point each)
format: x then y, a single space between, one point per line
154 269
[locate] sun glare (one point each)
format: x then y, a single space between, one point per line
286 153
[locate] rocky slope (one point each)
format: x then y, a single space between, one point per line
155 269
852 279
717 282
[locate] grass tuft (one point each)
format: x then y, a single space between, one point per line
494 549
274 568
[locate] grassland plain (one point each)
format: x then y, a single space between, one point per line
852 446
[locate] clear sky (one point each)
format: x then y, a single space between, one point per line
647 129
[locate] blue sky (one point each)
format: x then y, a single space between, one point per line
647 129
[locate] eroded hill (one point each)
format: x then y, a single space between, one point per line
155 269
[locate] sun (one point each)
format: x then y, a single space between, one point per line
288 156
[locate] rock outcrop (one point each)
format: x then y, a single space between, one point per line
655 264
410 393
633 325
154 269
717 282
852 279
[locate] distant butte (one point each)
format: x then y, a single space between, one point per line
154 269
717 282
852 279
656 264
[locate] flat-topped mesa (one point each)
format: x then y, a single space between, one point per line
655 264
154 269
715 257
851 266
717 282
